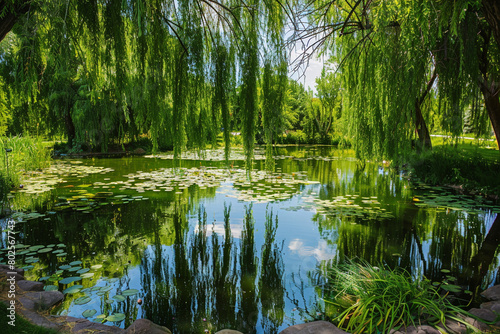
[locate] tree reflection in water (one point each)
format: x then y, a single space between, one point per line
207 282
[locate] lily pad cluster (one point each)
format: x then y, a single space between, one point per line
57 173
86 202
253 186
446 199
28 255
351 206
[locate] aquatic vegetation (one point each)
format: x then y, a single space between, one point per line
363 298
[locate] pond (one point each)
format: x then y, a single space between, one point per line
198 246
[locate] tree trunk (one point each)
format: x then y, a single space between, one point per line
481 262
10 18
492 14
70 128
422 130
492 104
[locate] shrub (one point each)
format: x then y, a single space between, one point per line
363 298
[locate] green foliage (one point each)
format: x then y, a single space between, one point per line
104 72
469 168
363 298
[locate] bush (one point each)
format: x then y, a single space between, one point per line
448 166
364 298
28 154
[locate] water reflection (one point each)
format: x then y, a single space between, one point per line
209 281
245 273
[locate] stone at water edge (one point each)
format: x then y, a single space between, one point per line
40 301
84 326
316 327
493 306
492 293
30 285
145 326
6 268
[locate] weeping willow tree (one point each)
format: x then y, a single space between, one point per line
393 53
114 70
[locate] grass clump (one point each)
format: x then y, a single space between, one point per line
361 298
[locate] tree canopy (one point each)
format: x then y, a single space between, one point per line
393 53
181 72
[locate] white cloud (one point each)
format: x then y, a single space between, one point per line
320 252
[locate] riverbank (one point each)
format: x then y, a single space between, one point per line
466 168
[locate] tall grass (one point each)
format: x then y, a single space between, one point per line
365 299
27 155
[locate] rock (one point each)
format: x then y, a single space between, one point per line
478 324
492 293
38 319
493 306
316 327
483 313
16 276
6 268
410 330
228 331
139 151
425 329
40 301
145 326
30 285
78 325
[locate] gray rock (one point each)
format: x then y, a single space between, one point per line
492 293
145 326
453 327
30 285
40 301
478 324
410 330
494 306
81 326
5 268
228 331
17 277
424 329
315 327
38 319
483 313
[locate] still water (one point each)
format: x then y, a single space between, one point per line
206 246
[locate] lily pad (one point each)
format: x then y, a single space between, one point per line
61 254
68 280
45 250
87 275
74 269
74 263
96 266
130 292
50 288
82 300
116 317
65 267
119 298
73 289
88 313
82 271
